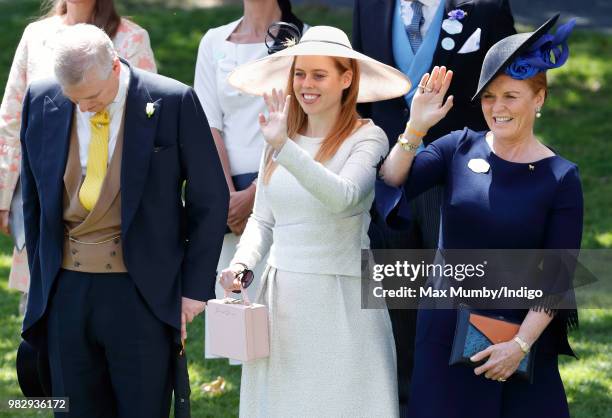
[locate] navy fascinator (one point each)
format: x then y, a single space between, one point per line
550 51
524 55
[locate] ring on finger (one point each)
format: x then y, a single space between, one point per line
501 380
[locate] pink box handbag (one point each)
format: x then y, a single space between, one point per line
237 329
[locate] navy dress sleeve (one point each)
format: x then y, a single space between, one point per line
564 228
429 168
564 232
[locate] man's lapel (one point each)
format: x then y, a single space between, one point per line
443 56
57 121
140 129
381 12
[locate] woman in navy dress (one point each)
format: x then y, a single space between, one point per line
504 189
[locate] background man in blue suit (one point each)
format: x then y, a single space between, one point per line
125 205
414 36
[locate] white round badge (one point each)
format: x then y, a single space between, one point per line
478 165
452 26
448 44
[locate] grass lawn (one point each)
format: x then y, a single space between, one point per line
576 123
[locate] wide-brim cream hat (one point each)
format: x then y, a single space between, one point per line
378 81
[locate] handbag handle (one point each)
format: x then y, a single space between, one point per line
243 292
227 294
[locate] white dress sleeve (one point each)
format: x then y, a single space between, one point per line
346 189
256 239
205 82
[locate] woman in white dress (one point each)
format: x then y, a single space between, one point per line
232 116
328 357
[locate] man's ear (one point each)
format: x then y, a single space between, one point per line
116 66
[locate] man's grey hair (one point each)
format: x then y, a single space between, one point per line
78 49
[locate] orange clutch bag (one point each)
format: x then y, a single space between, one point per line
475 332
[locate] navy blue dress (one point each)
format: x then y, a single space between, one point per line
511 206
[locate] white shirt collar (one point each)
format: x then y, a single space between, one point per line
124 82
429 3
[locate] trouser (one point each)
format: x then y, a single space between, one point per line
423 232
426 212
108 353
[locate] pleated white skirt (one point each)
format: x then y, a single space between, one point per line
328 357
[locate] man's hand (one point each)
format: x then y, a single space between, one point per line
238 227
4 222
190 308
240 207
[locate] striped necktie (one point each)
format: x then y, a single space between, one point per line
414 28
97 160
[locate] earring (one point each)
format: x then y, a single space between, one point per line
538 113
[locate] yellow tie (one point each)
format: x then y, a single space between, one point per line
97 160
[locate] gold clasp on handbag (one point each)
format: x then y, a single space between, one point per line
232 301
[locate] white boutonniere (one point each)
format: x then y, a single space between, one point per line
150 109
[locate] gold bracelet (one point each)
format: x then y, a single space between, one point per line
524 346
407 146
414 132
